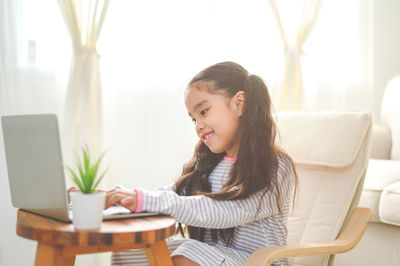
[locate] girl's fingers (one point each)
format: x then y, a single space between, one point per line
110 201
119 192
123 198
129 203
71 189
113 198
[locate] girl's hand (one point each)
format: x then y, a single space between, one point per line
75 189
125 198
71 189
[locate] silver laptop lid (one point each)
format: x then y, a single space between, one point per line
34 163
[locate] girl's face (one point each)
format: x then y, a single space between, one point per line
216 117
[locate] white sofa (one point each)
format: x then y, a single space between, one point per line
381 193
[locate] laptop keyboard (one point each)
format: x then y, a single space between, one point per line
113 210
116 209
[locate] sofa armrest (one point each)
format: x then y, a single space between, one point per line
348 238
381 142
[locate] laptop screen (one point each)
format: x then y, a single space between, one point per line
34 161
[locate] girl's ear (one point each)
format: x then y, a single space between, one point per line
237 102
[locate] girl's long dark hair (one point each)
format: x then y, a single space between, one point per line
257 160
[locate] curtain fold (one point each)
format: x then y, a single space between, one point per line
83 112
8 54
289 92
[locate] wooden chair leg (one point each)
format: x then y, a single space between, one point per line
161 249
51 255
67 261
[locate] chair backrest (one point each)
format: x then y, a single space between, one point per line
330 151
390 110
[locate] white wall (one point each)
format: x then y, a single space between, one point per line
386 42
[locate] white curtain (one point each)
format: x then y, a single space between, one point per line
10 243
27 86
339 65
289 91
8 57
83 120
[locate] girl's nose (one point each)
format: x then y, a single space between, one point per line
199 127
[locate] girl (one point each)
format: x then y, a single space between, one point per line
234 194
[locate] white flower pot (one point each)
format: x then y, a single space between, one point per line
87 210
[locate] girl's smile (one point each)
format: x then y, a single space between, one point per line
207 137
216 117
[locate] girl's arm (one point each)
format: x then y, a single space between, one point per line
206 212
130 199
169 187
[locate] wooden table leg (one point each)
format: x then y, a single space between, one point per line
158 254
51 255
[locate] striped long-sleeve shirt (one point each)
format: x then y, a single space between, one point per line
256 219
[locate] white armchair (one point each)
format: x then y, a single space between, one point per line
381 243
330 151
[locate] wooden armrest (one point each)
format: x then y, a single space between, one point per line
347 240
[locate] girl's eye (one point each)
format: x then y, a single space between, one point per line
203 112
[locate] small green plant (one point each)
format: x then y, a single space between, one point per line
86 176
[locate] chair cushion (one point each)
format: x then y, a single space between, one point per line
389 205
330 139
331 151
380 174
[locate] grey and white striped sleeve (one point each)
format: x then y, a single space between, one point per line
170 187
203 211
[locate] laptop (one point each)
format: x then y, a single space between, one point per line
36 170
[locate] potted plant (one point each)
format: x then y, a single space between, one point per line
87 204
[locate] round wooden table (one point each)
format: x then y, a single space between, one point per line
59 242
